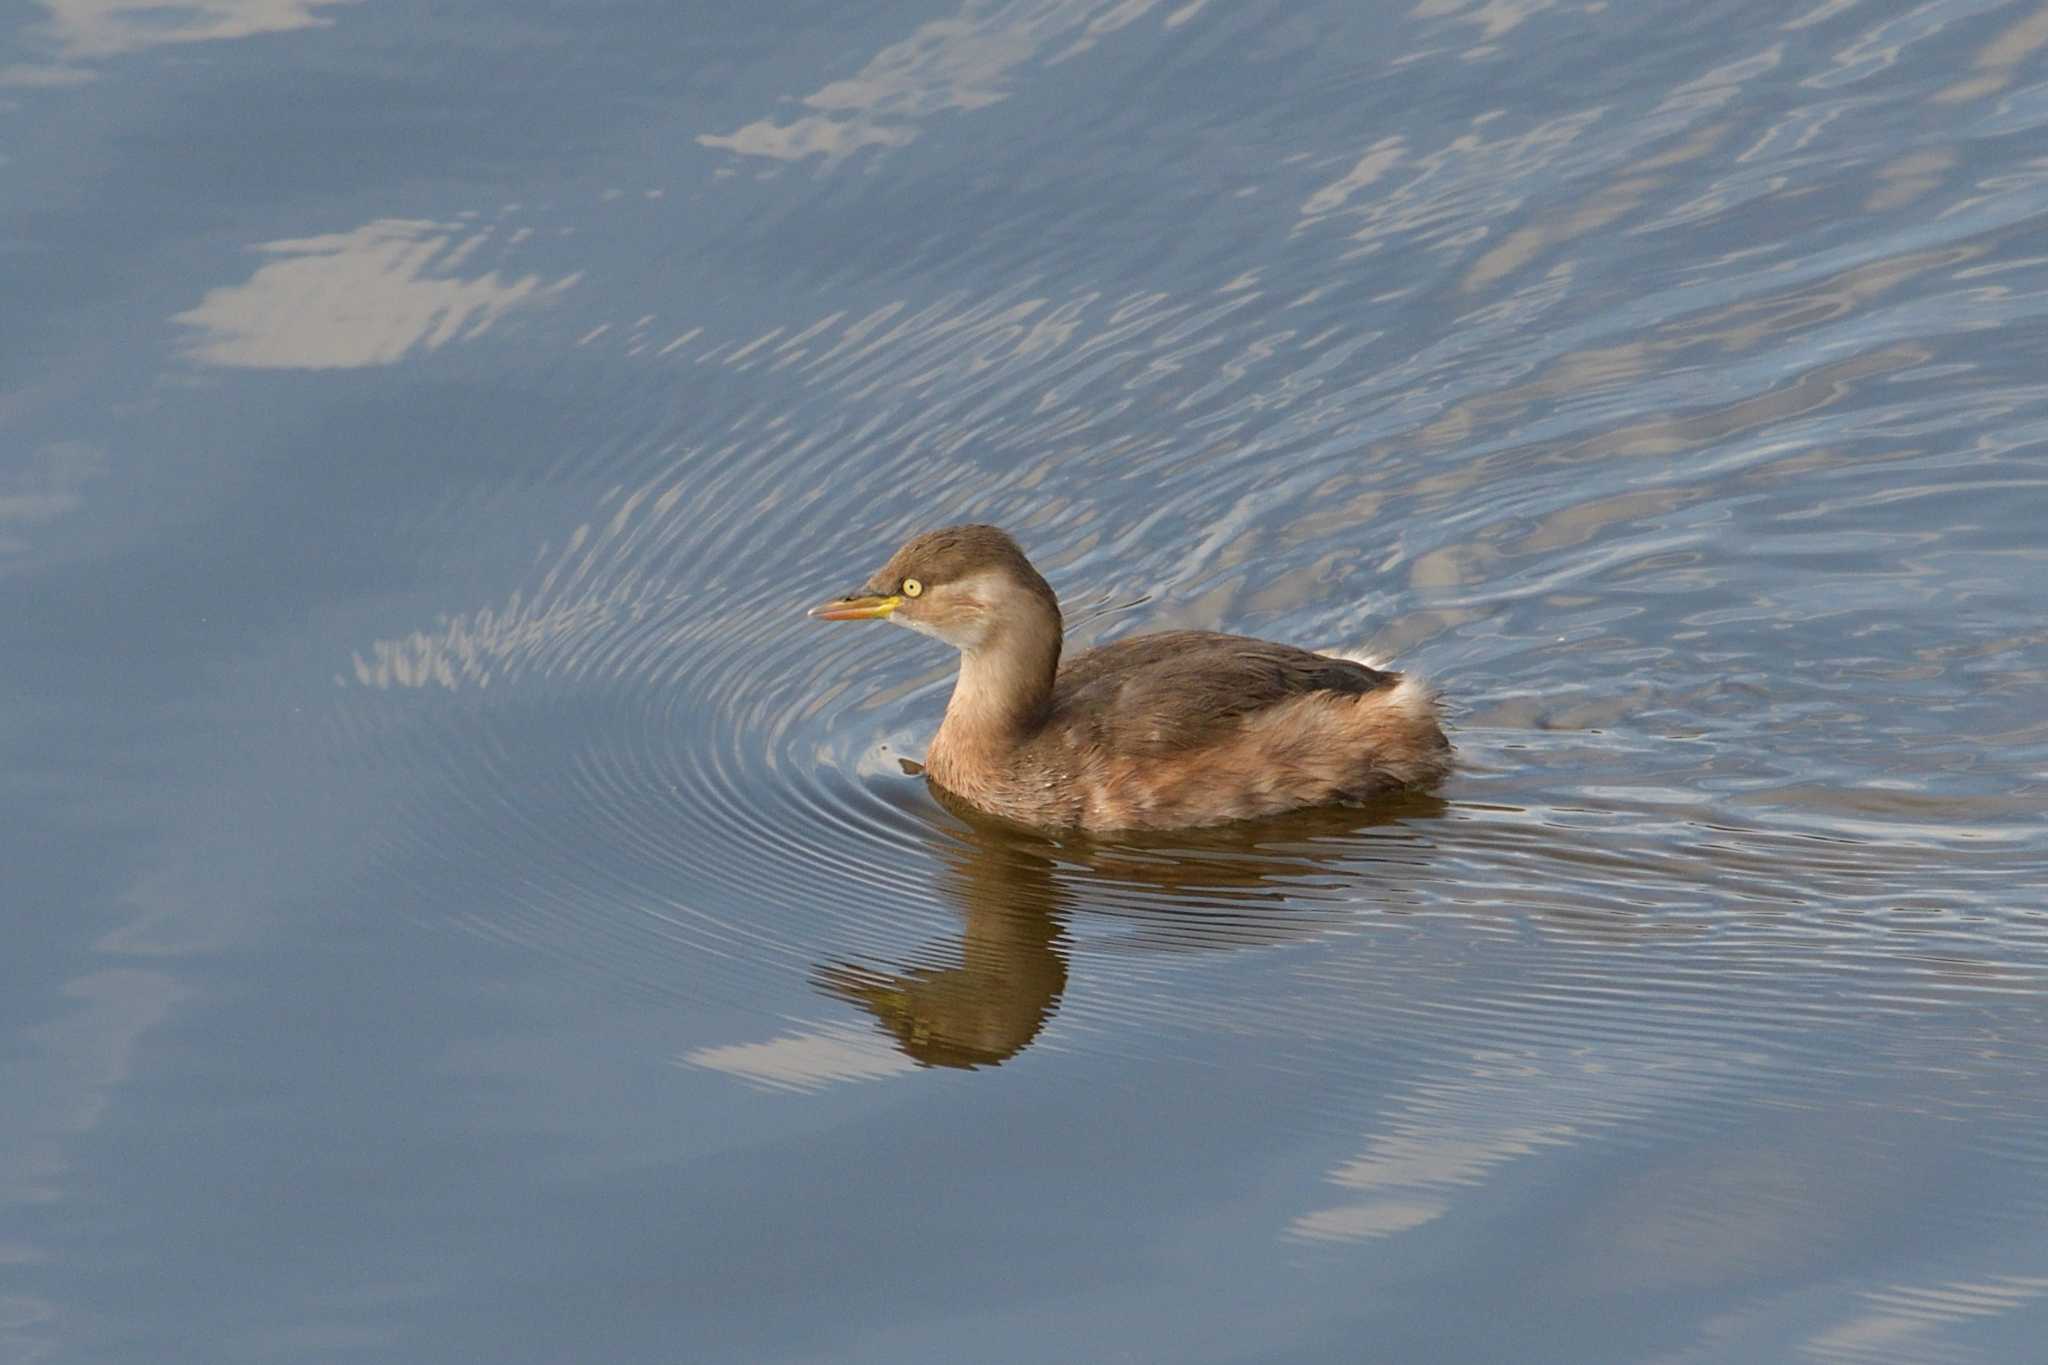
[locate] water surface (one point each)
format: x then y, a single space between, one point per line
459 908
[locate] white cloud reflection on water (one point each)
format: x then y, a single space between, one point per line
369 296
1901 1319
50 488
1454 1132
805 1061
64 1079
961 63
87 30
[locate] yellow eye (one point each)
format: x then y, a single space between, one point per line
912 588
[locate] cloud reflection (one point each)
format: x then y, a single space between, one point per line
805 1061
1410 1174
64 1076
366 297
963 63
50 488
2000 58
84 30
1901 1319
1492 1108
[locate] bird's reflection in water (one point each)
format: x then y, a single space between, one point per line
1017 891
1008 969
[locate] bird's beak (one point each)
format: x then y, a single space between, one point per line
856 608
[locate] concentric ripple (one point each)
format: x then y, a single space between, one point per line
1747 679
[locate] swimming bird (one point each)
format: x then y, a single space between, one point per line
1164 731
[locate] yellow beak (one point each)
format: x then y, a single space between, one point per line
856 609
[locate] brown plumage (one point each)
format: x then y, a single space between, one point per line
1172 730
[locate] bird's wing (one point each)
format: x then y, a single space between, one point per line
1176 690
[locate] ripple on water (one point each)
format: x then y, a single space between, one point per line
1694 490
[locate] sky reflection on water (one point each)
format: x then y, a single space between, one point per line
461 910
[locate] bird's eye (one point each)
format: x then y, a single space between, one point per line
912 588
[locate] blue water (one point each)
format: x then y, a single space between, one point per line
458 909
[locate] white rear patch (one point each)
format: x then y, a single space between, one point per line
1352 656
1411 696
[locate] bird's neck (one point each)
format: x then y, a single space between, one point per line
1002 696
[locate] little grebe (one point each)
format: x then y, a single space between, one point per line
1165 731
